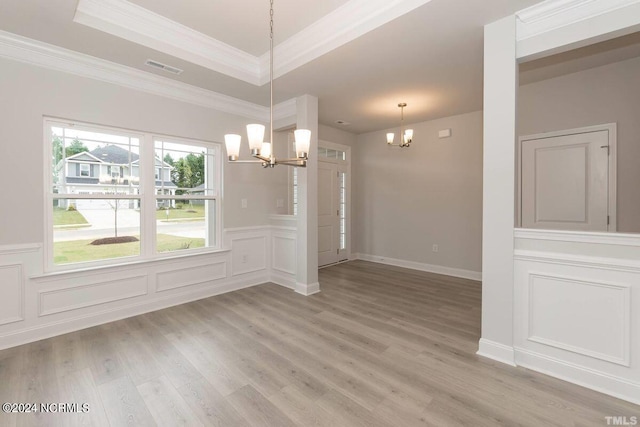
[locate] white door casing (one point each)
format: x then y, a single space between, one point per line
567 180
328 218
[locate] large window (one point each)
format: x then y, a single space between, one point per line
116 195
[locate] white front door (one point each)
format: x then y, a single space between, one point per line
565 182
328 214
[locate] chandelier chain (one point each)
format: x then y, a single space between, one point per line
271 78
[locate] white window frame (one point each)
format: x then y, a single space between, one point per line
146 195
88 170
213 182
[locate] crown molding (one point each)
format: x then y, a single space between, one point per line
554 14
136 24
33 52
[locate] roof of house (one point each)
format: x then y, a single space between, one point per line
114 154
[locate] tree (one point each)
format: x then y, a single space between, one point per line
75 147
168 159
188 172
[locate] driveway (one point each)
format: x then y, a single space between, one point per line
103 219
189 229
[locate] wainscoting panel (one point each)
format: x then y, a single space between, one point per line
190 276
284 252
65 298
582 316
576 315
12 291
248 253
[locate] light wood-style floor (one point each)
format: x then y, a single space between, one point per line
380 346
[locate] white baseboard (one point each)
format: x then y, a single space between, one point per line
496 351
438 269
285 280
580 375
48 330
307 289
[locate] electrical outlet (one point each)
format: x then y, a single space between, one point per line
435 248
244 203
245 259
280 203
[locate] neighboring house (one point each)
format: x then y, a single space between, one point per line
108 170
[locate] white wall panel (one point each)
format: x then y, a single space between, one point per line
190 276
579 315
576 314
12 291
248 254
284 253
65 298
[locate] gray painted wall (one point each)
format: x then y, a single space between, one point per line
407 200
607 94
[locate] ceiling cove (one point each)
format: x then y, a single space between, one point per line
134 23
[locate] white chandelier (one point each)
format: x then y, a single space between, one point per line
406 135
260 149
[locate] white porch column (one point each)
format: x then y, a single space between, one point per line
500 86
307 221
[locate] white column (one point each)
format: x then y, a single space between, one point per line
307 220
500 86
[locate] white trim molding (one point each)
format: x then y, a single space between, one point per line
19 249
602 238
598 263
430 268
553 14
307 289
496 351
554 26
40 54
131 22
144 27
602 382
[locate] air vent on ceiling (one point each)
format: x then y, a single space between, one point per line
342 123
164 67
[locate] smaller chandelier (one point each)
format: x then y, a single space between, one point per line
406 135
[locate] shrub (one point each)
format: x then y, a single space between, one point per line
71 207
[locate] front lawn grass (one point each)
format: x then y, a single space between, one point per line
185 212
82 250
64 217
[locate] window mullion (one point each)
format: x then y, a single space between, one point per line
147 189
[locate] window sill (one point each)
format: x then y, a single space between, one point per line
130 264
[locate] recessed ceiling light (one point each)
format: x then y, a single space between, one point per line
163 67
342 123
